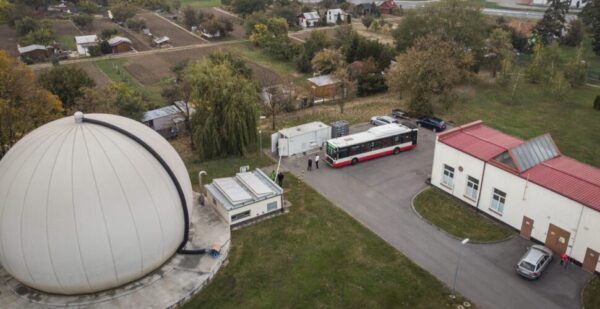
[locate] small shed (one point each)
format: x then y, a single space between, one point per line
247 196
120 44
84 42
324 86
35 52
309 19
168 118
300 139
162 41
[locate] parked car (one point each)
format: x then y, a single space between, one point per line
534 262
434 123
400 114
381 120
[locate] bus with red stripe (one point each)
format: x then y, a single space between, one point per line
376 142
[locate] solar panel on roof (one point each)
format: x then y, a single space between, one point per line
534 152
254 184
232 190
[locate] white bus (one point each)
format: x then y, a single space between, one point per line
376 142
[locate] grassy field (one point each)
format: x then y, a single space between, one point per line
591 294
457 219
574 124
317 256
254 54
113 68
67 42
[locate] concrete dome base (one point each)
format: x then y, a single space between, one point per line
179 279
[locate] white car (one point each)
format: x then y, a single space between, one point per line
381 120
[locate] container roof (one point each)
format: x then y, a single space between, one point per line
118 40
303 129
86 39
29 48
551 170
243 189
161 112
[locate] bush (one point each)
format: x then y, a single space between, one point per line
597 103
105 48
135 24
95 51
83 21
367 20
108 33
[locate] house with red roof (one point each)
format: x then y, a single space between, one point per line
529 185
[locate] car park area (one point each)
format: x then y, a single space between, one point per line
378 193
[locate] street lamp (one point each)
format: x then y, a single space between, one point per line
463 243
200 180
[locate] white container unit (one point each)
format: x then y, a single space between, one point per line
300 139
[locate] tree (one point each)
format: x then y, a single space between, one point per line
246 7
576 69
95 100
234 61
327 61
315 42
83 21
289 12
574 34
450 20
24 105
127 102
369 80
43 36
427 73
108 33
551 26
545 61
499 47
191 17
346 85
135 24
367 20
226 109
26 25
67 82
558 85
87 7
219 24
591 17
122 11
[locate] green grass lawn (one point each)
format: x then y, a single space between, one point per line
574 124
458 219
318 256
114 69
67 42
591 294
286 69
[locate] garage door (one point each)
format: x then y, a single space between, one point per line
590 261
557 239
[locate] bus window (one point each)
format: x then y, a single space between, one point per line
406 138
342 153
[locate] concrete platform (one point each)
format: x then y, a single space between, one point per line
179 279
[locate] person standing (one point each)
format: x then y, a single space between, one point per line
280 179
309 168
317 161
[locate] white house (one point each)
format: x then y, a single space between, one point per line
308 19
247 196
573 3
528 185
300 139
84 42
332 15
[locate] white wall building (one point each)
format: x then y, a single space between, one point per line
573 3
528 185
168 117
332 15
84 42
309 19
300 139
244 197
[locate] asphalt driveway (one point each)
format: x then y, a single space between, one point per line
378 193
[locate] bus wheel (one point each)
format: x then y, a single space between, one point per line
354 161
396 151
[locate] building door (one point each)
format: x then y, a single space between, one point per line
591 260
526 227
557 239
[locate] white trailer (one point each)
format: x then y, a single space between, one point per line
300 139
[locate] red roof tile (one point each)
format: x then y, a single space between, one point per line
563 175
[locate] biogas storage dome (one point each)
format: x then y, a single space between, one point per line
90 203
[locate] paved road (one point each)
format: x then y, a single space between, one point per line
378 194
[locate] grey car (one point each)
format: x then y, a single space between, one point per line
381 120
534 262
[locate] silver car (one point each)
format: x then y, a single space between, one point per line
534 262
381 120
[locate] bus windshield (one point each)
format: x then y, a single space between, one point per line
331 151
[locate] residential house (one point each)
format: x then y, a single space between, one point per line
161 42
528 185
366 8
35 52
387 7
324 86
308 19
332 16
84 42
120 44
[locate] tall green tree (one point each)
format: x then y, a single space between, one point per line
550 27
315 42
24 104
427 73
328 61
499 47
226 108
591 17
576 69
67 82
574 34
451 20
246 7
546 59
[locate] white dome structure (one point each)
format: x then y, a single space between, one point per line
85 207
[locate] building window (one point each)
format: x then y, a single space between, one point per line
472 188
272 206
448 177
498 200
241 215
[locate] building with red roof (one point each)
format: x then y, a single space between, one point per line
529 185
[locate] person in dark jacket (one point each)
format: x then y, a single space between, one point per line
280 179
309 168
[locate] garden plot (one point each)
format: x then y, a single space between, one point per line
95 73
161 27
138 39
238 29
9 40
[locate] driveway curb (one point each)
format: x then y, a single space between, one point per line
474 242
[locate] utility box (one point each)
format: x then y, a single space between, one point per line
340 128
300 139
